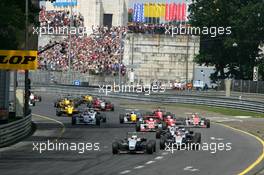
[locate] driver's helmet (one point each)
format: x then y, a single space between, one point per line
151 119
134 137
169 117
132 112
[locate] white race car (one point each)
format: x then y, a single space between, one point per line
89 117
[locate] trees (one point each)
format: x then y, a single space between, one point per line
12 22
236 54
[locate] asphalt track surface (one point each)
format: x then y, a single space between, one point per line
21 159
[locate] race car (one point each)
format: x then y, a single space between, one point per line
87 99
101 105
134 143
180 138
150 124
194 120
89 117
62 102
33 98
130 117
68 110
37 98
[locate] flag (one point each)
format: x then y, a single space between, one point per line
167 12
146 10
174 12
179 12
183 12
163 10
135 13
171 11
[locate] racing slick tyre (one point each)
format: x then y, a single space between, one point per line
40 99
158 133
58 113
162 143
115 148
73 120
207 123
149 147
138 127
196 141
121 118
154 145
97 120
103 117
113 108
164 125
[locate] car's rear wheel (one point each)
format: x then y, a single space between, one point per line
121 118
149 148
73 120
153 145
158 133
208 125
104 118
197 141
115 148
162 143
97 121
138 127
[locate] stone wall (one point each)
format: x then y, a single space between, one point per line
161 57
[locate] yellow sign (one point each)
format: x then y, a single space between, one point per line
18 59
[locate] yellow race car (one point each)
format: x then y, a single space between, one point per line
67 110
130 117
87 99
61 103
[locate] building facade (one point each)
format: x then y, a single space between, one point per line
98 12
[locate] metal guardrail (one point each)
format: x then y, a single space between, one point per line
247 105
13 132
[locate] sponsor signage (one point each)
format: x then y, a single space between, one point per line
18 59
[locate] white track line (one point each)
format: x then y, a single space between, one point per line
150 162
125 172
159 157
139 167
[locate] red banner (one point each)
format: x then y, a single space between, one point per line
167 13
171 12
184 12
179 12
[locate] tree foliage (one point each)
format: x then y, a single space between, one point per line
236 54
12 22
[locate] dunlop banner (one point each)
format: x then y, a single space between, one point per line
18 59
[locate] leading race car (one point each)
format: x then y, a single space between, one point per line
150 124
130 117
180 138
89 117
194 120
134 143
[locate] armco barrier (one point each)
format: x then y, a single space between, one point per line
13 132
247 105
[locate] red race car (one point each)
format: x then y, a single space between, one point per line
102 105
150 124
194 120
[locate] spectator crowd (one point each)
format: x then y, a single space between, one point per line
61 18
98 53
